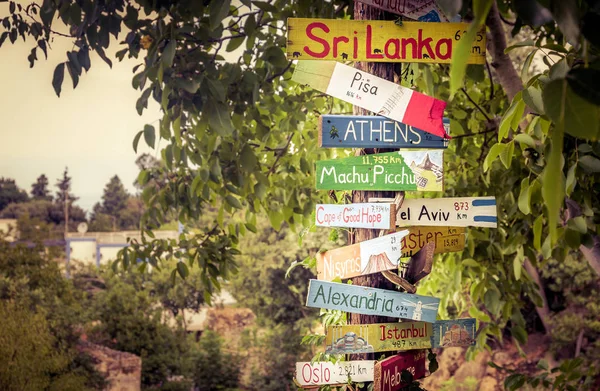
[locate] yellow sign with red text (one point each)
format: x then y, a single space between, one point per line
379 41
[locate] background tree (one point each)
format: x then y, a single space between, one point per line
39 190
10 193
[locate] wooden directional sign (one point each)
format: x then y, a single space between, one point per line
385 337
421 10
379 41
373 215
446 239
400 170
373 93
371 301
326 372
454 212
370 256
388 372
378 337
449 333
357 131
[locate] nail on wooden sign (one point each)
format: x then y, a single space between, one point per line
370 256
379 41
367 215
446 239
421 10
388 372
361 131
454 212
400 170
326 372
385 337
371 301
373 93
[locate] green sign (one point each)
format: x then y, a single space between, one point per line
407 170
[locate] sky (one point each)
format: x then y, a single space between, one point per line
89 130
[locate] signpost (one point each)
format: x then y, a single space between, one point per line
385 337
368 215
361 131
406 170
326 372
446 239
373 93
379 41
371 301
362 258
455 212
422 10
388 372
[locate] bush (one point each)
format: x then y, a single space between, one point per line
214 370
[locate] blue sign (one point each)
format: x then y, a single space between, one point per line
347 131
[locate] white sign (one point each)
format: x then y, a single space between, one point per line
326 372
373 215
448 212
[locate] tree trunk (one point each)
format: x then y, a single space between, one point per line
385 71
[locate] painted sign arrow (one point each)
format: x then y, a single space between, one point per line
379 41
326 372
446 239
454 212
400 170
373 93
421 10
370 256
371 301
385 337
367 215
388 372
361 131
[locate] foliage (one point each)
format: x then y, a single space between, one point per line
64 189
39 189
10 193
118 210
42 213
39 309
214 369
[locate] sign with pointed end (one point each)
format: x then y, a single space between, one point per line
326 372
453 212
408 335
370 256
367 215
371 301
400 170
362 131
373 93
388 372
446 239
380 41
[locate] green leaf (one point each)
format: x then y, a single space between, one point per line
183 270
553 188
516 108
571 181
219 118
234 43
518 263
527 42
136 140
492 155
590 164
533 98
507 154
248 158
526 139
231 200
149 135
463 49
177 130
276 218
525 197
57 79
216 89
479 315
514 382
275 56
168 54
219 9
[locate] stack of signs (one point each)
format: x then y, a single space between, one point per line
405 119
